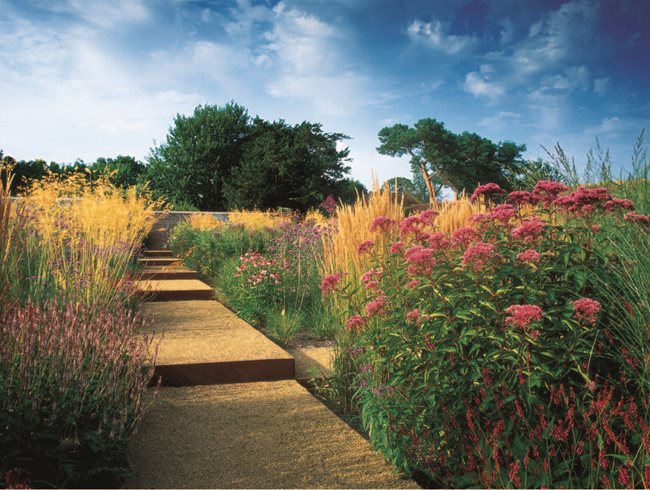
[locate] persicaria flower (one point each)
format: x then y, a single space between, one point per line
523 315
376 307
503 213
464 236
519 198
413 316
329 282
355 322
364 246
381 223
529 256
586 309
528 230
547 190
486 190
479 255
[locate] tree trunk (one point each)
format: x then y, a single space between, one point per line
427 182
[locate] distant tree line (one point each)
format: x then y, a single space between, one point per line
220 158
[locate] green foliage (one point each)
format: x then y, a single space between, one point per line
124 171
199 155
286 166
459 161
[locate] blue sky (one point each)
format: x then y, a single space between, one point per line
83 79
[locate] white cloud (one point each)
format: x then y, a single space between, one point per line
478 84
432 34
576 77
104 13
500 120
601 85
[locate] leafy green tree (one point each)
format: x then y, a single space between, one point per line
347 190
444 158
406 186
286 166
199 155
124 171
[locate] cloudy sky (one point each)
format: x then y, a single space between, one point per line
85 78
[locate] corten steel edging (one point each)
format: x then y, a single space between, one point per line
178 295
170 275
211 373
159 261
160 253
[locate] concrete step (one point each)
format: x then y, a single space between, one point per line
157 261
174 290
153 253
203 342
161 273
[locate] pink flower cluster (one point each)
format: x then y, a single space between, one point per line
487 190
547 190
529 256
528 230
464 236
633 217
523 315
258 268
503 213
376 306
381 223
328 283
369 279
355 322
520 198
438 240
584 199
364 246
414 316
420 260
413 224
586 309
479 255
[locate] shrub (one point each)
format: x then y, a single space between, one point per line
490 356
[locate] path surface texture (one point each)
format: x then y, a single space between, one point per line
230 413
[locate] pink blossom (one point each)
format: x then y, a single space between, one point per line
381 223
586 309
371 275
427 216
329 283
365 246
503 213
519 198
633 217
464 236
413 316
376 307
410 225
584 199
486 190
372 285
412 284
523 315
420 260
547 190
479 255
438 240
615 203
528 230
596 228
396 248
529 256
355 322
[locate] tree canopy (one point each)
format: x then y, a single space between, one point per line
220 158
444 158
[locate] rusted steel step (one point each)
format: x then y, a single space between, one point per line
161 273
157 261
174 290
156 253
